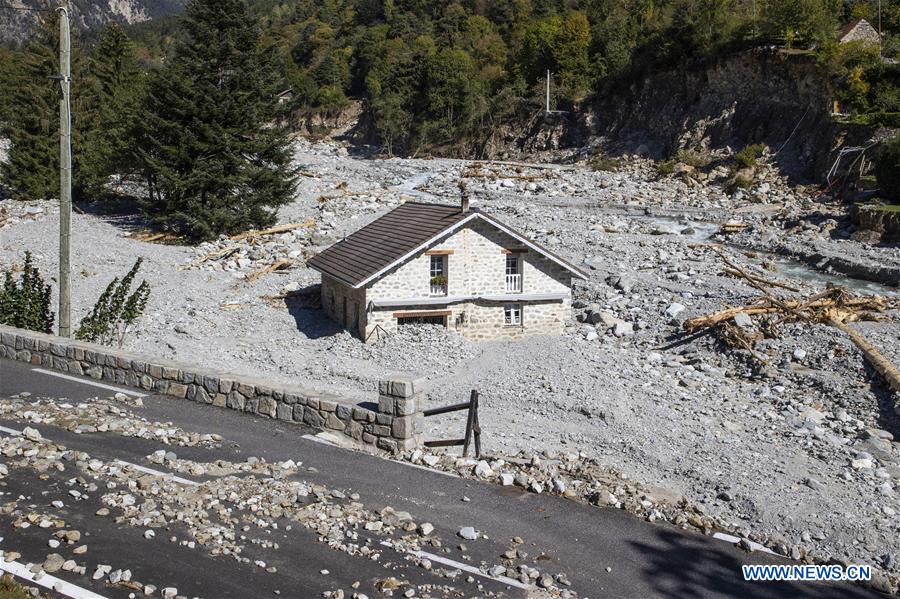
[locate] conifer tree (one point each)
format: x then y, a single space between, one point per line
215 159
32 117
26 303
116 87
32 122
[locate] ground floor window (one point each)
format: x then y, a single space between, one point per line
512 314
441 320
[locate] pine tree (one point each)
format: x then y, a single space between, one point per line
116 87
115 310
32 168
26 304
213 155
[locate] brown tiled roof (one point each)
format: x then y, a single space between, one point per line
388 240
848 28
385 240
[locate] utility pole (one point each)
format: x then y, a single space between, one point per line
548 90
65 174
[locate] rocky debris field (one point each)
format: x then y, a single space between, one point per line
794 441
233 512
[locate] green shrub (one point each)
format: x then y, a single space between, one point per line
887 170
749 155
692 158
602 162
739 182
26 304
115 311
666 167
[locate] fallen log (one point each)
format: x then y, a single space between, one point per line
216 255
879 362
876 304
279 265
729 228
760 280
562 167
273 230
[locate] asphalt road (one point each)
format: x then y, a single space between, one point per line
604 552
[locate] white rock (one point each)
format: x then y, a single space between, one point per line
468 533
675 309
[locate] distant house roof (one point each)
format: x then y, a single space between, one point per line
855 24
399 235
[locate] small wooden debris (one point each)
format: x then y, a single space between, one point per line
253 234
278 265
729 228
216 255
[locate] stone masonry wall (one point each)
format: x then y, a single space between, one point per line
344 305
396 426
485 320
477 267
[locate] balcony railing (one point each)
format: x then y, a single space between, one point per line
438 289
514 283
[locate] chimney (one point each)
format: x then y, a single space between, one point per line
464 197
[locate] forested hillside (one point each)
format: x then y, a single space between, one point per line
429 76
442 74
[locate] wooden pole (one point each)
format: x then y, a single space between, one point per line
65 176
470 422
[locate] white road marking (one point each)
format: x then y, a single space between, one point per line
89 382
49 582
320 440
735 540
10 431
146 470
466 568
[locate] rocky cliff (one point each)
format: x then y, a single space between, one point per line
774 97
85 14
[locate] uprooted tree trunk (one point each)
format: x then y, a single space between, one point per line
878 361
835 306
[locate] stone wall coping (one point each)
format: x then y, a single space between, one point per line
394 426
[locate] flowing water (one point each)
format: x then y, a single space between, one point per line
700 231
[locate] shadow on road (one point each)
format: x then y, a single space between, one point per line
680 566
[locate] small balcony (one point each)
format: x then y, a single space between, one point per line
439 285
514 283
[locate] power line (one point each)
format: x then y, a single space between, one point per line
24 8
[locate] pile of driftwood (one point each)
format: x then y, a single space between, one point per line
251 237
835 306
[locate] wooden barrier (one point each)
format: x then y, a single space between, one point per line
473 426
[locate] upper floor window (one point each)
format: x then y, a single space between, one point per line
438 275
513 273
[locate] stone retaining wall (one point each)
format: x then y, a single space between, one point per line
396 426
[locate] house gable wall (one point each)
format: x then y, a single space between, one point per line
476 267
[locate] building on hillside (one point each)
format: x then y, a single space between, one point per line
285 96
449 265
859 30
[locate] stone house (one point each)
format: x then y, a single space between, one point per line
859 30
447 265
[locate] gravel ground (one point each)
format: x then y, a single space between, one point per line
798 447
